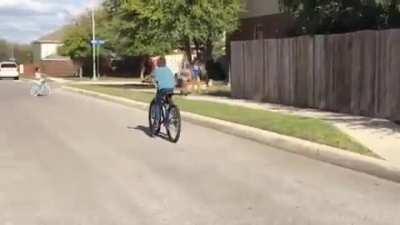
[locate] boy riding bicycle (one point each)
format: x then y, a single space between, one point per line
165 81
39 75
40 87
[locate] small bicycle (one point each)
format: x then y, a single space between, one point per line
170 118
40 89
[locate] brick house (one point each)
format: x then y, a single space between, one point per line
261 20
45 55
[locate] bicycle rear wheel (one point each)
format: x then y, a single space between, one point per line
152 119
45 90
174 124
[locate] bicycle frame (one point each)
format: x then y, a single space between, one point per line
41 87
165 105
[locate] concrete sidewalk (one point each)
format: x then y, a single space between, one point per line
379 135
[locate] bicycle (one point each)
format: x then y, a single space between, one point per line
40 89
170 118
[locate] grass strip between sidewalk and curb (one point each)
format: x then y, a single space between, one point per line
309 129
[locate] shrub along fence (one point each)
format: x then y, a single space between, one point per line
357 73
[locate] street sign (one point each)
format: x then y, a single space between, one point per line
98 42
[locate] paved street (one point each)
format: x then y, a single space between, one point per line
70 159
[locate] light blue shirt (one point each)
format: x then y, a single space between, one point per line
165 78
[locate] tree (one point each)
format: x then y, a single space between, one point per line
22 52
78 36
4 50
132 32
214 19
392 8
337 16
77 44
157 26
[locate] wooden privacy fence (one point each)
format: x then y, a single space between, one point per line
357 73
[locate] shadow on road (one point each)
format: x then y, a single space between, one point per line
146 130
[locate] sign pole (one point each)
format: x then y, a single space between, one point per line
98 62
94 44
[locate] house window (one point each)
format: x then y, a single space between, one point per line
259 32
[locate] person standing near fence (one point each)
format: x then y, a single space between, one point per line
196 70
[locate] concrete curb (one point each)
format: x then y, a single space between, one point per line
98 82
375 167
59 80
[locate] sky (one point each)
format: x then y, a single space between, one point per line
23 21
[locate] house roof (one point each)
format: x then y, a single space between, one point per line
54 37
56 57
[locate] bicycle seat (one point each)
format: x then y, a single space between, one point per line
170 93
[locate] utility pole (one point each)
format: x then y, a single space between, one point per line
94 44
99 43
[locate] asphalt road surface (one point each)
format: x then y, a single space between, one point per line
76 160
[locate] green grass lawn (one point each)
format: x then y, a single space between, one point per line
314 130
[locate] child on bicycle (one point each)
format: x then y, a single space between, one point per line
166 83
39 76
40 81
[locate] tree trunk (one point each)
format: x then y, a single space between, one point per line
197 46
80 71
79 64
188 51
142 67
208 50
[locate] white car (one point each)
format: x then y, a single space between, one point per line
9 70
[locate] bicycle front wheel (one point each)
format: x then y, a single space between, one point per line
174 124
45 90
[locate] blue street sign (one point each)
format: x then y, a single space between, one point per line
98 42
